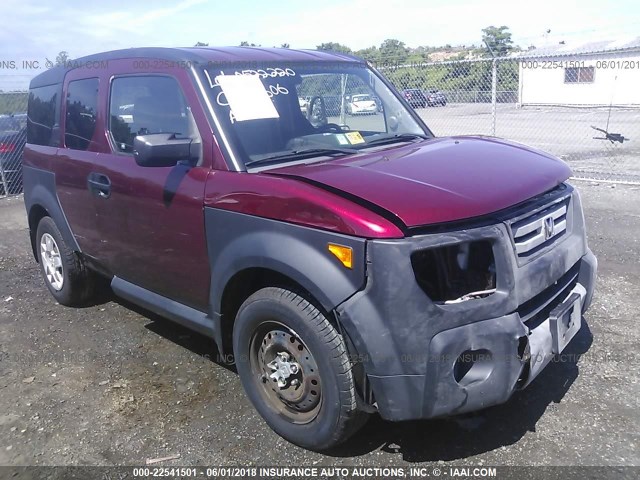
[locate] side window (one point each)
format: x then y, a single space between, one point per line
146 105
579 75
80 122
41 113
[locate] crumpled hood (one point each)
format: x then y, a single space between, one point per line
440 180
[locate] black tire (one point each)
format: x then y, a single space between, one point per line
336 416
78 282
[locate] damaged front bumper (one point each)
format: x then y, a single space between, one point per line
425 359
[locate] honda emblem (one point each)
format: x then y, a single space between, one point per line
549 226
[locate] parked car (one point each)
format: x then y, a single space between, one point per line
362 104
344 269
435 98
415 97
13 134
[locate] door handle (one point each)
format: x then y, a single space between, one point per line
99 185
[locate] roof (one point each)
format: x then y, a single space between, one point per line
195 55
586 47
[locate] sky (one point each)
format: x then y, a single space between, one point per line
35 30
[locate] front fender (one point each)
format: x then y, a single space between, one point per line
237 241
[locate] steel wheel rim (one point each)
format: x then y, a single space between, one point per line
300 399
51 262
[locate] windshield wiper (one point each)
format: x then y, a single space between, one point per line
300 154
396 138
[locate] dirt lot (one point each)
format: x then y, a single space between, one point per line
112 384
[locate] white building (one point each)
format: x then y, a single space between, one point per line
591 74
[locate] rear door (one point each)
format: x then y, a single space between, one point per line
81 144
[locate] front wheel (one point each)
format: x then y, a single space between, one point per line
294 366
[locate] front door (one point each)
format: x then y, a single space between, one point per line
150 219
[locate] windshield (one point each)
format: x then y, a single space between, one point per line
270 113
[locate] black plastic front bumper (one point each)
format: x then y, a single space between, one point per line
409 345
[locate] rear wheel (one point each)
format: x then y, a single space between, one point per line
294 366
64 272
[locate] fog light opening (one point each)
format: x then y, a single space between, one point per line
473 366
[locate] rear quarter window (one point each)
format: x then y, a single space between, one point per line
42 114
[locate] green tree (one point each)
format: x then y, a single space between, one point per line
498 40
371 54
422 52
284 45
333 47
62 58
393 52
244 43
201 44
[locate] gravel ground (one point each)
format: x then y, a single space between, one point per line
112 384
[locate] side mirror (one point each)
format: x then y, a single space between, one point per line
161 149
393 123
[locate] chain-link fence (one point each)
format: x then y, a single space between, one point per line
13 135
582 108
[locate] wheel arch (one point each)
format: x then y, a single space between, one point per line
248 253
245 283
36 213
41 200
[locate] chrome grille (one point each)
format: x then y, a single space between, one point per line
534 232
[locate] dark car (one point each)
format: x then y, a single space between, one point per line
415 97
13 135
345 270
435 98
